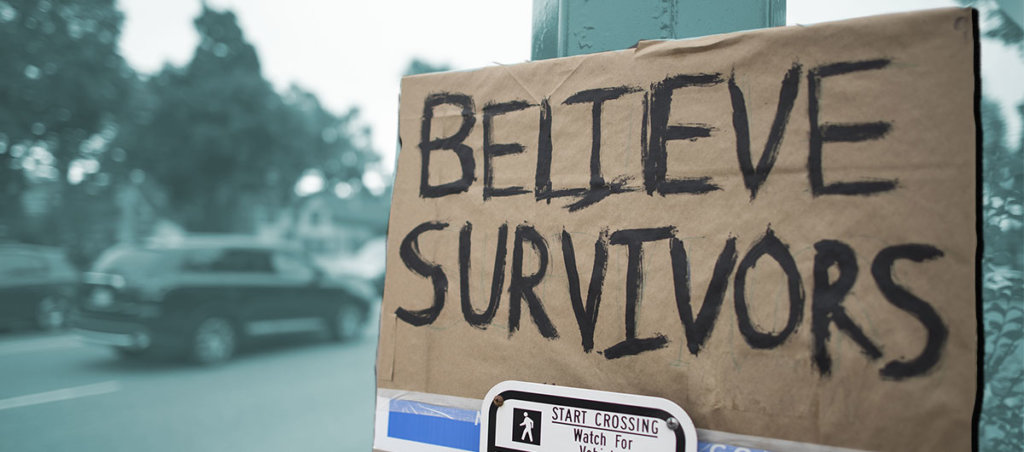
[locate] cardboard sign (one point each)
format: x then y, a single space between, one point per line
774 229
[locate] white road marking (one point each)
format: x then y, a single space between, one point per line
58 395
39 344
283 326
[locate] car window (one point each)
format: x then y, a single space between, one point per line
21 265
229 261
201 260
132 261
292 266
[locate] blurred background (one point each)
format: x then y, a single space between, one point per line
161 163
200 153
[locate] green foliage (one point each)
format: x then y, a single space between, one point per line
62 71
997 24
62 83
1002 417
214 141
1001 426
339 146
418 66
223 144
1007 30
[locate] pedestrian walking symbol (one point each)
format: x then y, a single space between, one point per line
526 426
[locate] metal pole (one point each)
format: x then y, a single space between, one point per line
576 27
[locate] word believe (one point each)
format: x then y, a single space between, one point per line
656 106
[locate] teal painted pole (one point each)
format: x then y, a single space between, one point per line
576 27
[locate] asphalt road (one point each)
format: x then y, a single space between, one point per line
60 394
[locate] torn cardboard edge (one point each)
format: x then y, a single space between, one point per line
976 251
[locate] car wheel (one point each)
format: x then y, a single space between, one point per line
51 313
348 322
213 341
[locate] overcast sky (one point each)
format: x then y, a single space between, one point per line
353 53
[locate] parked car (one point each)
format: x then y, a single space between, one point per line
205 298
37 284
367 263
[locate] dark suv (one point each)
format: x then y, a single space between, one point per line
204 298
37 284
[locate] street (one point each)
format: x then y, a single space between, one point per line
58 393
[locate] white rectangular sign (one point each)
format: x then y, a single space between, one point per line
530 417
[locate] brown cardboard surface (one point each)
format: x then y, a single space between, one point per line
894 100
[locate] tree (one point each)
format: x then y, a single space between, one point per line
62 83
338 146
1002 422
206 138
1001 426
997 24
419 66
223 144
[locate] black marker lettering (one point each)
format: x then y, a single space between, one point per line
645 154
772 246
829 132
492 149
453 143
522 287
826 302
900 297
542 183
634 240
655 165
409 251
754 177
597 98
586 315
542 177
699 330
481 319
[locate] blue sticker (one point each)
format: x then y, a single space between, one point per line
456 428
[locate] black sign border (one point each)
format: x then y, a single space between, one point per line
577 403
